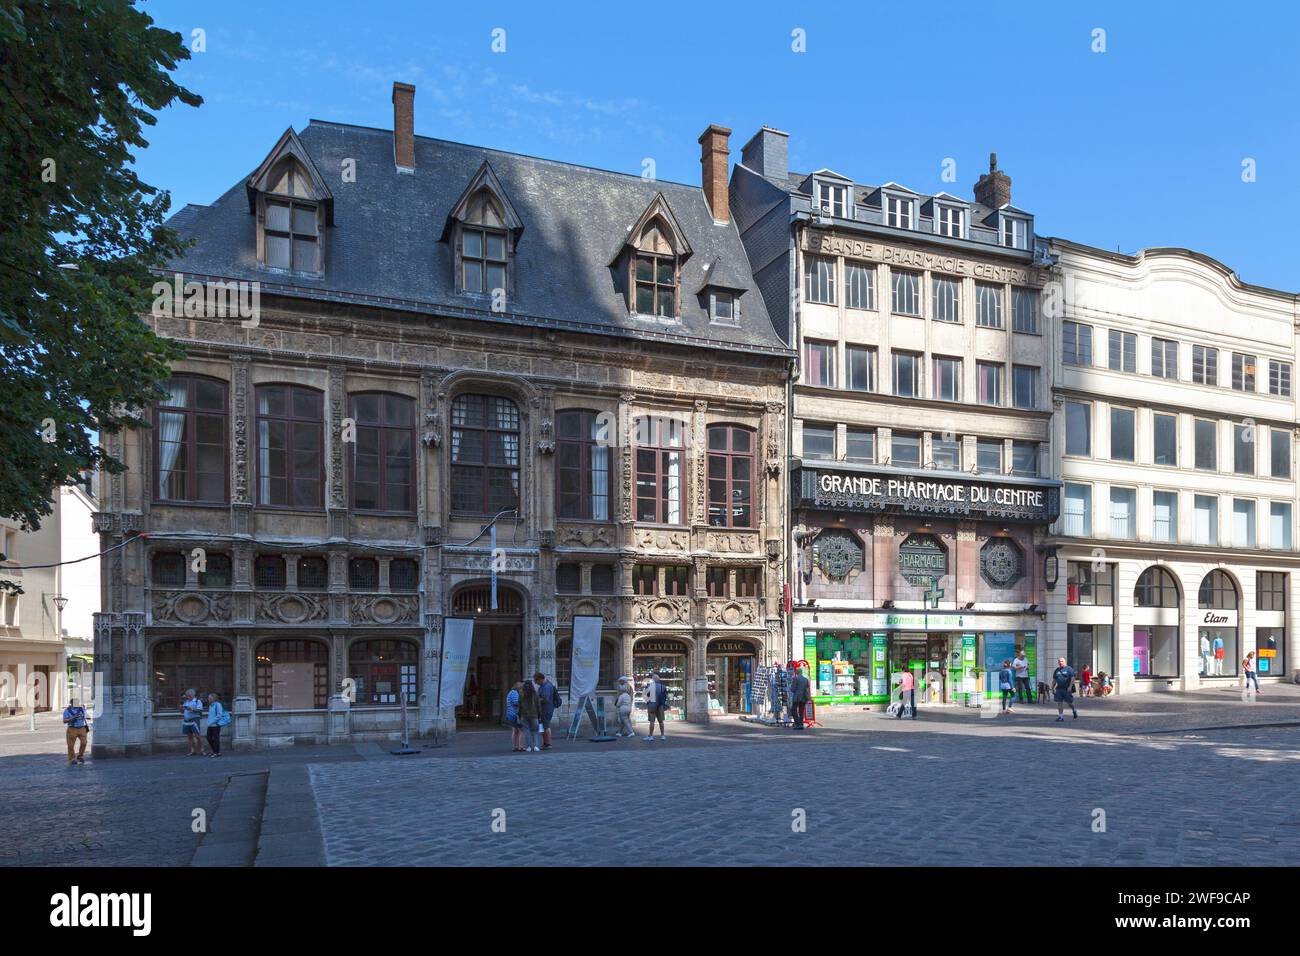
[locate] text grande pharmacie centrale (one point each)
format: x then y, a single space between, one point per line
931 491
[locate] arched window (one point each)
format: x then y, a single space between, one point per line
290 436
1218 591
384 668
190 441
292 675
660 470
483 245
205 666
292 227
484 454
382 460
654 272
731 476
582 450
609 664
1156 587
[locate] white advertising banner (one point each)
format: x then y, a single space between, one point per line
457 636
586 655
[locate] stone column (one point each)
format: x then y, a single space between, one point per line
884 559
135 684
431 719
241 500
336 499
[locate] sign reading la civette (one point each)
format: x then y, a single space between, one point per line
824 488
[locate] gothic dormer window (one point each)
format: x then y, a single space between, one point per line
483 230
293 206
653 258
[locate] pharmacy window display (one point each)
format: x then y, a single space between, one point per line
1157 625
1217 603
667 658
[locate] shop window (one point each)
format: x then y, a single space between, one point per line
484 455
292 675
1090 584
1270 651
602 579
1091 646
363 574
216 573
677 580
1217 592
568 578
383 669
168 569
403 575
203 666
313 574
1156 587
268 572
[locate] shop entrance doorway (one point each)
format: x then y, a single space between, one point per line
930 658
495 656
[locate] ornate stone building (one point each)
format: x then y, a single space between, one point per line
440 336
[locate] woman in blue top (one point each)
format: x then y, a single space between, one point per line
1006 684
512 718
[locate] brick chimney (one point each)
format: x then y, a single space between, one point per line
713 162
993 188
404 126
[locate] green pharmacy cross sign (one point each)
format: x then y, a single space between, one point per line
933 592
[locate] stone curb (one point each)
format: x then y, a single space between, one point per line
290 823
232 834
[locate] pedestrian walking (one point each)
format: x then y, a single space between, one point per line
1021 664
906 693
1252 674
548 702
218 717
191 715
1062 680
512 718
800 694
74 718
656 700
1007 685
623 704
529 707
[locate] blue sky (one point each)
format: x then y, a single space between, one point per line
1140 145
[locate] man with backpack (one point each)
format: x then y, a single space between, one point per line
1062 681
656 701
74 716
548 702
218 717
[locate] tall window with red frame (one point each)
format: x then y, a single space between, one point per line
484 454
731 477
382 463
190 428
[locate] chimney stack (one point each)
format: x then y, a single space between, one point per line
713 161
767 153
404 127
993 188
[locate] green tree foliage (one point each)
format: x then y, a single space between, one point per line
79 232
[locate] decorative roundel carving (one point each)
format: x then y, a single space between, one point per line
385 611
838 553
191 609
1001 563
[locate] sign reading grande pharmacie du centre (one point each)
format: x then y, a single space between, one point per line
1031 500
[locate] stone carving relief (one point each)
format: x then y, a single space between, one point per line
191 607
662 611
294 608
659 539
585 536
732 613
838 553
239 427
546 437
384 609
605 608
736 541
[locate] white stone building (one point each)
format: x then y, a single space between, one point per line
1175 415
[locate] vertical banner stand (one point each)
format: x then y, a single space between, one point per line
405 749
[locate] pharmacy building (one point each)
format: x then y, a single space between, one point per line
920 487
475 384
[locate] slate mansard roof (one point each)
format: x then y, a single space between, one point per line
386 240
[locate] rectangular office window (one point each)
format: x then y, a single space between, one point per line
819 279
1207 445
1024 306
1024 386
1164 430
819 364
907 374
1205 365
988 383
988 305
1243 372
1122 351
1243 449
1164 516
818 441
1279 378
1123 512
860 363
1279 452
859 286
1243 523
1076 513
1024 458
1205 519
1121 434
860 445
947 379
988 456
1164 358
1076 343
906 289
946 300
1279 529
1078 428
945 454
905 450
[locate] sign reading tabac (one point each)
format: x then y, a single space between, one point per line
828 244
904 494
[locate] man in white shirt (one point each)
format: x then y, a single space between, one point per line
1021 667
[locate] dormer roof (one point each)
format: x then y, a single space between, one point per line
484 178
288 145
